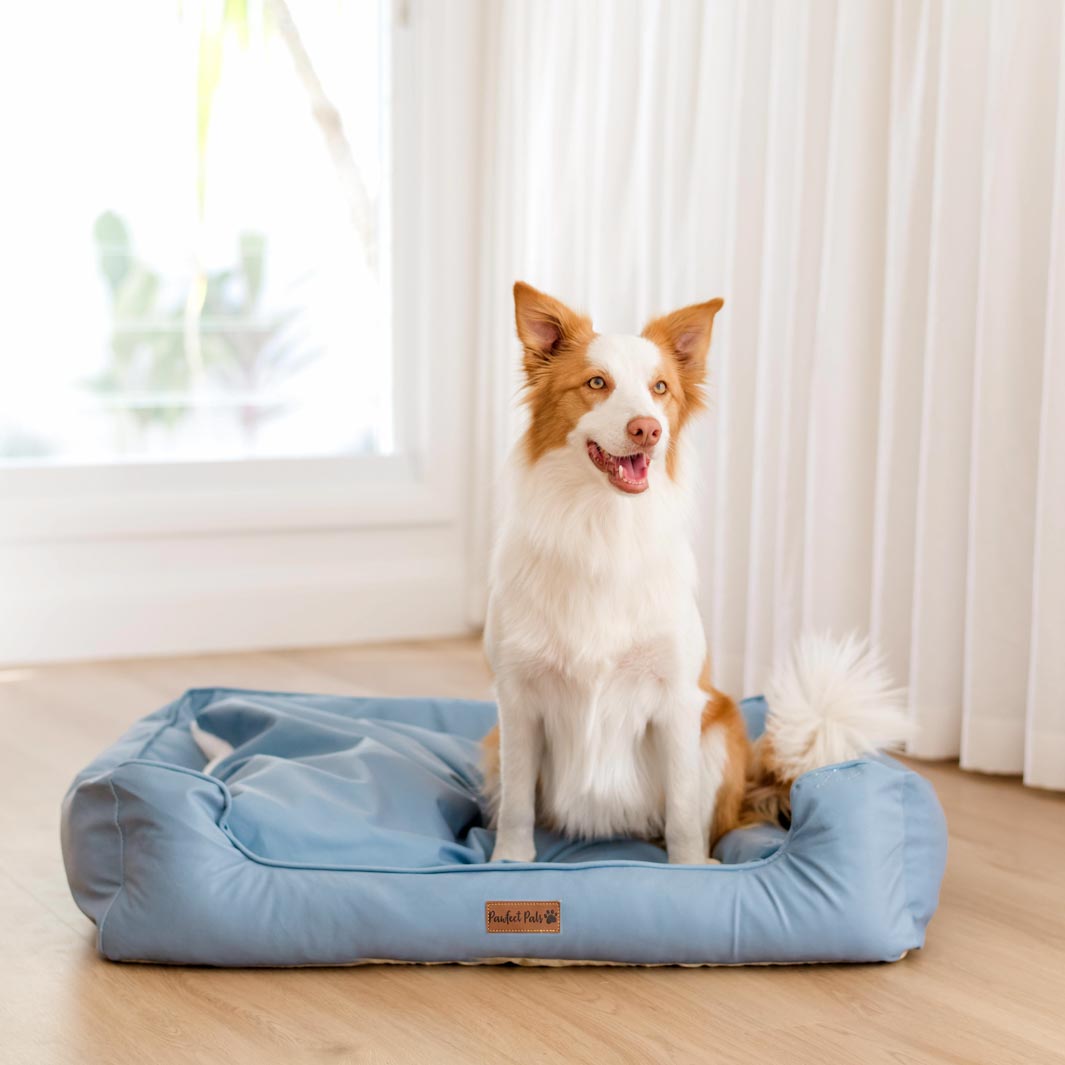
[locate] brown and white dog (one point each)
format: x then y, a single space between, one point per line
608 723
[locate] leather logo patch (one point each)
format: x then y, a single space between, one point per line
508 915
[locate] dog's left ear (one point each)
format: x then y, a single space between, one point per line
685 334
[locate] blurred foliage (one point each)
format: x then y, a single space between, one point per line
147 353
243 348
224 24
218 336
218 22
17 443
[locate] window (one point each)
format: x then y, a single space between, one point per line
195 218
237 355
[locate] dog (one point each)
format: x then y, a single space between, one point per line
608 722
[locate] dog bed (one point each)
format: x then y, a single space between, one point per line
348 830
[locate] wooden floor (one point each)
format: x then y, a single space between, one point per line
989 987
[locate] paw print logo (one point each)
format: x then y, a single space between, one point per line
550 916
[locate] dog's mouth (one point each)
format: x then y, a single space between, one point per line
628 473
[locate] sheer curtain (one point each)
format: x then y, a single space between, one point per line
878 191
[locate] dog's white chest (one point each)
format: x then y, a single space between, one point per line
600 774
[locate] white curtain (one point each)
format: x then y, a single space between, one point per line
878 191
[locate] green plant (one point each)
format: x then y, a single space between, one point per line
242 347
164 350
245 351
147 367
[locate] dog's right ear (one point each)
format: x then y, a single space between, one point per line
547 326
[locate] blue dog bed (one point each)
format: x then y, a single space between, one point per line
347 830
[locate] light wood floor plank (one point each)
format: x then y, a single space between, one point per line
989 987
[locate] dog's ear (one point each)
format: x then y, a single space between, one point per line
685 334
547 326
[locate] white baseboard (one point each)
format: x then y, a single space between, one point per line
243 592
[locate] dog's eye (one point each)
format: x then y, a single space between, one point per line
661 387
597 383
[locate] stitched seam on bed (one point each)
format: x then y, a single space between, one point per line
778 855
121 868
909 900
166 723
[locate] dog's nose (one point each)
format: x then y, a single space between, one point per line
644 431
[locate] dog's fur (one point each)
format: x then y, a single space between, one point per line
609 725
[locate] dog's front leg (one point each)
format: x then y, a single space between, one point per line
521 743
681 761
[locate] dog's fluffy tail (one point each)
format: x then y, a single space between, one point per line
829 701
214 748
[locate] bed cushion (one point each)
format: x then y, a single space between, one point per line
345 830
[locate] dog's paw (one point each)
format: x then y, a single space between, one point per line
692 858
513 851
513 856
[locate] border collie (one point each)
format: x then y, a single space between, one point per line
608 722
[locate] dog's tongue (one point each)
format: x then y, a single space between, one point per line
634 466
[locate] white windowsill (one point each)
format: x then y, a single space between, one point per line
45 504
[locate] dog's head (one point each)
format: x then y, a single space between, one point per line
616 403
